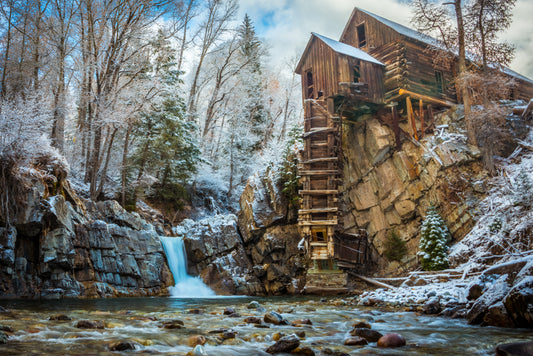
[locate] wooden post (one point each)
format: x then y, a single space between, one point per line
410 118
422 128
396 126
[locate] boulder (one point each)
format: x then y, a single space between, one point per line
368 334
391 340
432 306
515 349
284 345
122 346
90 324
519 303
355 341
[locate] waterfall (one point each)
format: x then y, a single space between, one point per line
185 286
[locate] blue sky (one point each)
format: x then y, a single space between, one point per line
286 24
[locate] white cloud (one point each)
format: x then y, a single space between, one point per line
286 24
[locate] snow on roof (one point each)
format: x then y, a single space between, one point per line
348 50
408 32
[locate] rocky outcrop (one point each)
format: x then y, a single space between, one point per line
386 189
61 247
507 295
255 253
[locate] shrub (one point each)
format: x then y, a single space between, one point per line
433 239
395 247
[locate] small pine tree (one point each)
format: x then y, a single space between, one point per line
395 247
434 235
288 175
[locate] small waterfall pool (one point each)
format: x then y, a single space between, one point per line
185 286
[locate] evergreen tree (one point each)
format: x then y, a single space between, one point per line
524 189
434 235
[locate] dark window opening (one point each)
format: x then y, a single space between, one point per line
361 35
356 72
320 93
319 235
310 85
439 81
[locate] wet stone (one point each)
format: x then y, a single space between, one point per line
122 346
229 334
61 317
173 324
391 340
196 311
515 349
355 341
254 305
274 318
252 320
194 340
229 311
368 334
303 351
6 328
3 337
300 334
277 336
301 322
285 344
361 324
90 324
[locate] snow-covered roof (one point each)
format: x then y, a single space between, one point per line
343 48
408 32
403 30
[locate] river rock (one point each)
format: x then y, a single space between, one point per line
60 317
122 346
355 341
252 320
3 337
285 344
515 349
90 324
229 311
432 306
6 328
303 351
274 318
253 305
278 335
361 324
301 322
391 340
229 334
194 340
173 324
369 334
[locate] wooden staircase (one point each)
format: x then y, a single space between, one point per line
321 174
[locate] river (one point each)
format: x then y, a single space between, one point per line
140 321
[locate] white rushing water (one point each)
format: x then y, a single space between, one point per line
185 286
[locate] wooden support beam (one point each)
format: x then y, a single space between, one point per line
317 160
320 173
372 281
396 127
411 118
422 129
527 110
318 223
319 130
426 98
318 210
319 192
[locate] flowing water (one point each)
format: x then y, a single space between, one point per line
185 286
140 320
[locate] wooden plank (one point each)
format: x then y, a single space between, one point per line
316 131
319 173
425 98
411 118
324 159
318 210
527 110
372 281
318 192
318 223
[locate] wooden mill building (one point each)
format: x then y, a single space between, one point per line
376 65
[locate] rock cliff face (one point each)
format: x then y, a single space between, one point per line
386 189
255 253
60 247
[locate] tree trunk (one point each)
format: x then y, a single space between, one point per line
125 164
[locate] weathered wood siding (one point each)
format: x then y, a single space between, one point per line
322 61
330 68
523 90
377 34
